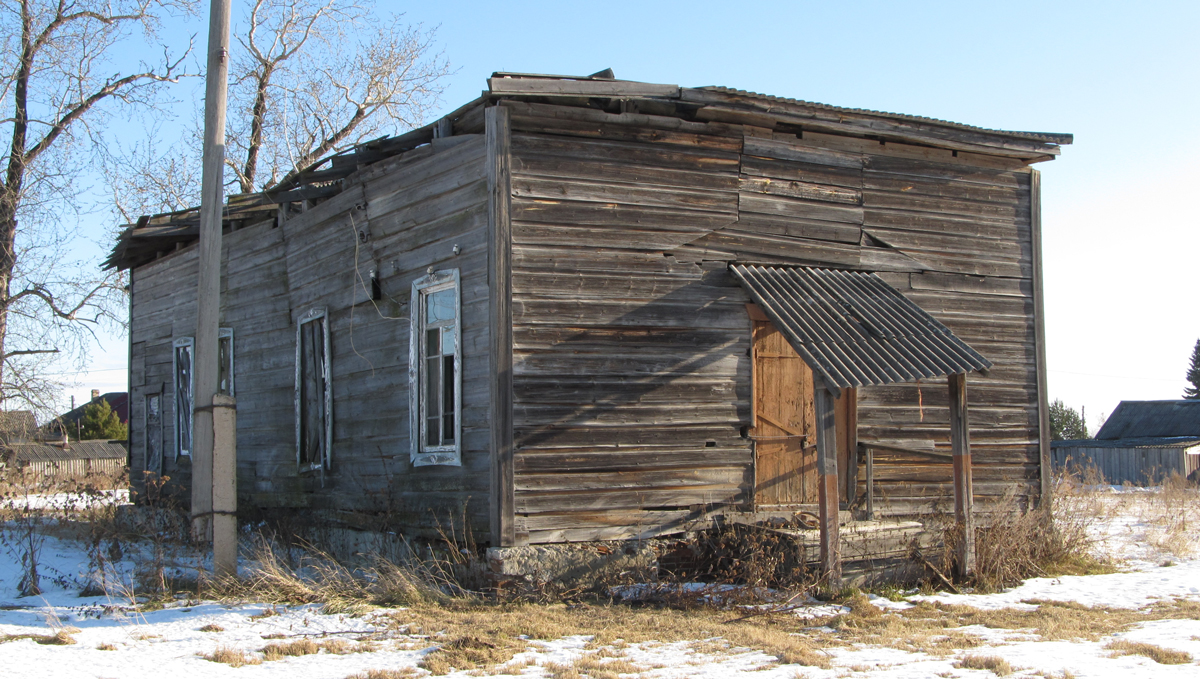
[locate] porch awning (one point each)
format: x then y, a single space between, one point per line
853 329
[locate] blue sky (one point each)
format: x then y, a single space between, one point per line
1120 235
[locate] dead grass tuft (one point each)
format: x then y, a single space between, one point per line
106 647
61 637
1053 539
469 652
995 664
291 649
402 673
212 628
301 647
1160 655
231 656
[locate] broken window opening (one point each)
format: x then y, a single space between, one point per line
225 362
184 394
314 423
435 370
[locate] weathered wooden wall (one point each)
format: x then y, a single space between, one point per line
630 367
399 217
630 338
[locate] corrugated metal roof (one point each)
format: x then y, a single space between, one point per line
76 450
855 330
1152 418
1139 442
1050 137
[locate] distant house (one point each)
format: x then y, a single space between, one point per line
1141 443
69 422
74 459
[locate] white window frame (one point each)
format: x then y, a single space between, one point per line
190 343
310 316
224 333
422 454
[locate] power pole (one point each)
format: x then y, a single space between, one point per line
212 467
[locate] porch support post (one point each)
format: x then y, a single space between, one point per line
827 486
960 443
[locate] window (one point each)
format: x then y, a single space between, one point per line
225 362
435 370
184 389
314 397
154 433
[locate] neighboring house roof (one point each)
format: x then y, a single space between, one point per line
1139 419
854 329
17 425
1141 442
54 452
117 400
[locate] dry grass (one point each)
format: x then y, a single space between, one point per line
482 635
402 673
318 578
290 649
60 637
469 651
106 647
231 656
1160 655
995 664
212 628
929 627
1173 514
301 647
1054 539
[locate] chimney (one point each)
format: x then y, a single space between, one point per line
66 441
95 394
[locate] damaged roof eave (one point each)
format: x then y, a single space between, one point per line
723 104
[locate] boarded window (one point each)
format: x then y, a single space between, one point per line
184 394
225 362
435 370
314 424
154 433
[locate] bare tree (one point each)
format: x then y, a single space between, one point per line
61 77
317 76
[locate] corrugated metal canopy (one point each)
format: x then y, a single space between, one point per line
855 330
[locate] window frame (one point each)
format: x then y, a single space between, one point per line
420 453
224 333
312 315
176 345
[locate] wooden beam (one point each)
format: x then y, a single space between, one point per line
960 443
827 486
499 168
580 88
1039 329
870 483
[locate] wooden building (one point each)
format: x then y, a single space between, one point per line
1141 443
75 460
580 308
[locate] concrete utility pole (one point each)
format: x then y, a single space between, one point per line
213 467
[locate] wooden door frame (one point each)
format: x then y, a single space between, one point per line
845 419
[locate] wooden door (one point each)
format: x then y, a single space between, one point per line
785 434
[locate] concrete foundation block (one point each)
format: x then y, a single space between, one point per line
576 564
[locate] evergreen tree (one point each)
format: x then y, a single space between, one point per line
1066 423
100 422
1193 374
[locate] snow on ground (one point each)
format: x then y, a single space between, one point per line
114 639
